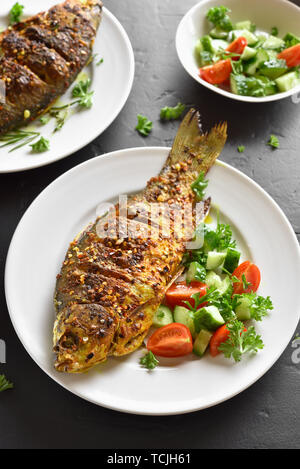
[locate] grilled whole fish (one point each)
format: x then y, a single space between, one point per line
109 288
41 57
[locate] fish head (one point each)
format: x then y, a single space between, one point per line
83 334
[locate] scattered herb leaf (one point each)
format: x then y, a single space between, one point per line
273 141
149 361
199 186
15 13
5 384
172 113
241 149
81 91
240 341
274 31
41 145
144 125
218 16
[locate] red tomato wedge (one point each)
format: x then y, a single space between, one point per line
180 292
237 47
252 276
220 336
217 73
291 55
173 340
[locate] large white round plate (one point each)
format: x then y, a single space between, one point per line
179 385
111 81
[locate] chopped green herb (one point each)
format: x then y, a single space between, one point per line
291 40
5 384
218 16
274 31
220 239
15 13
273 141
199 186
100 62
45 119
144 125
245 283
81 91
41 145
241 149
149 361
172 113
240 341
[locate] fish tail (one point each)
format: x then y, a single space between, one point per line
191 144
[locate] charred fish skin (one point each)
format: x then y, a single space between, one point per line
126 276
42 56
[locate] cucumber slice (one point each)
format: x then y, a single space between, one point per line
195 272
232 259
248 53
218 33
273 42
244 25
288 81
242 311
215 259
213 280
185 316
162 316
207 44
251 38
253 64
273 68
218 45
202 342
226 286
208 318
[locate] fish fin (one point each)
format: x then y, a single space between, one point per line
191 144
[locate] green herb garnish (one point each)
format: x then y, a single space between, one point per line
100 62
274 31
240 341
5 384
15 13
19 137
149 361
259 306
172 113
273 141
144 125
199 186
81 91
41 145
241 149
218 16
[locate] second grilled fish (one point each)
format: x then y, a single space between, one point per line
42 56
109 288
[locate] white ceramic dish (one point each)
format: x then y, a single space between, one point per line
112 82
69 204
266 14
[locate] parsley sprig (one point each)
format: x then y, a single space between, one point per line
240 341
5 384
144 125
172 113
199 186
218 16
41 145
15 13
149 361
273 141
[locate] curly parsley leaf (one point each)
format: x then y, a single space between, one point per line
5 384
15 13
81 91
41 145
172 113
199 186
220 239
259 306
240 341
144 125
149 361
218 16
273 141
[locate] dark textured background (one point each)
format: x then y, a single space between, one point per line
38 413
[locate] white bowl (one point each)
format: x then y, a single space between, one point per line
265 14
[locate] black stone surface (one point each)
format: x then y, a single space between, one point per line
38 413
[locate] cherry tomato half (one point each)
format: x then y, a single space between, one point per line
216 73
180 292
251 275
237 47
291 55
220 336
173 340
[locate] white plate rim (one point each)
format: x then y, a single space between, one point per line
227 94
113 116
132 410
